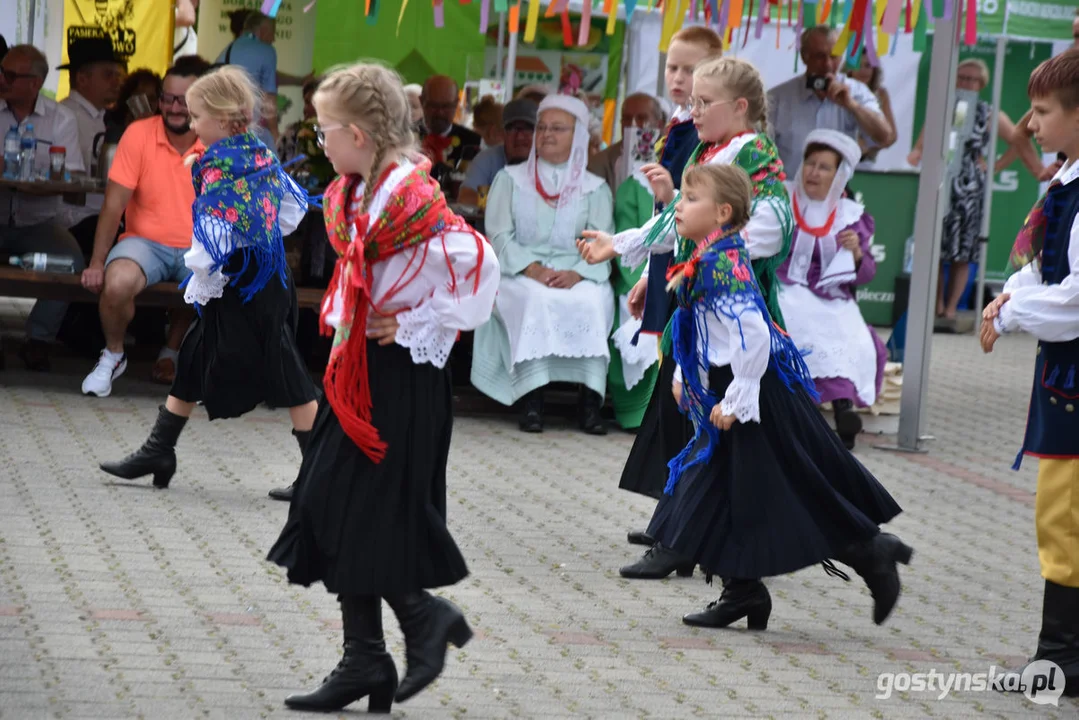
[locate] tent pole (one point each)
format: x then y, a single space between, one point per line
501 48
29 40
932 198
987 205
511 65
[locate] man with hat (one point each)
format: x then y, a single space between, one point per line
519 121
96 74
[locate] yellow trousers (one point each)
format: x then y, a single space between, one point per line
1056 518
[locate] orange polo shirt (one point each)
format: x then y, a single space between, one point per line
148 165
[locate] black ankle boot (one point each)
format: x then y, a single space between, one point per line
1059 637
429 624
532 412
657 563
365 670
848 423
285 493
875 560
589 412
157 456
740 599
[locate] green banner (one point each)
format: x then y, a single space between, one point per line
1040 19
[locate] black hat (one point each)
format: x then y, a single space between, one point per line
85 50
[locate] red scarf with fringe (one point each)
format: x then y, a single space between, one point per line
416 213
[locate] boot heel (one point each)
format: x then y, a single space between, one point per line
903 554
758 619
380 700
460 633
163 476
685 571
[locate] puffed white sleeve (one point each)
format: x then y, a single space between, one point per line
464 271
629 244
293 209
765 230
203 285
749 341
1048 312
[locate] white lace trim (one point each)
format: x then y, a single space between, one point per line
419 330
636 359
743 400
630 245
203 288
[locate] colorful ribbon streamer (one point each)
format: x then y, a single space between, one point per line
586 23
533 20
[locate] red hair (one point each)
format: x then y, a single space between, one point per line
1058 76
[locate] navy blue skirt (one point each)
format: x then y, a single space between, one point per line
777 496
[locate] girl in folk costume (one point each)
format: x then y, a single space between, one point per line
829 258
765 487
241 349
729 113
368 518
554 311
1042 298
663 430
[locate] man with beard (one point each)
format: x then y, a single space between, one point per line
149 182
519 122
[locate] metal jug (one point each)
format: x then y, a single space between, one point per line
103 152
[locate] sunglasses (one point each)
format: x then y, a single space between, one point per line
167 100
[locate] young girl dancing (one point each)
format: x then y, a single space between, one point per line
729 106
368 518
241 349
765 487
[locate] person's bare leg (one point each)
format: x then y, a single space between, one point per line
940 291
957 283
179 321
303 416
177 406
124 280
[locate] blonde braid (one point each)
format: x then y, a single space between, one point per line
742 80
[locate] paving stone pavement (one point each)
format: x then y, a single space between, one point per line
120 601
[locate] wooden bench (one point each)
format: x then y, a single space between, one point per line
16 282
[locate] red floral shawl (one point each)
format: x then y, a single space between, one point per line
416 213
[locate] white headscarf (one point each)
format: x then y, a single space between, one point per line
570 182
837 264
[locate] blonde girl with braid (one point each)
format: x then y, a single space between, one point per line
368 517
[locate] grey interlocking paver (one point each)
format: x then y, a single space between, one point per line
120 601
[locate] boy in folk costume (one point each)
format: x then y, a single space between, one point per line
241 350
368 519
1042 298
729 107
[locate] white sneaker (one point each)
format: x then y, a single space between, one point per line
99 381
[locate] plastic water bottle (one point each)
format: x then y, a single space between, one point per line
11 153
908 256
44 262
27 148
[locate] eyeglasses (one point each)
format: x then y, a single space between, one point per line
10 76
553 129
701 105
321 130
167 100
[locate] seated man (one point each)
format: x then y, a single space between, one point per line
150 182
639 110
443 140
519 121
31 222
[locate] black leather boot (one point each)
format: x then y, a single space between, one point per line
532 412
740 599
157 456
640 537
285 493
657 563
875 560
429 624
1059 638
365 670
589 412
848 423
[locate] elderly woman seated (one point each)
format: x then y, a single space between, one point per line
829 259
554 311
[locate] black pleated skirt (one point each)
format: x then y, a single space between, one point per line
776 496
663 433
237 355
377 529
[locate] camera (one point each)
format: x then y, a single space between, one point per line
817 82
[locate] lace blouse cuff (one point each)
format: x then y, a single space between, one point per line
630 245
420 331
203 287
742 400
